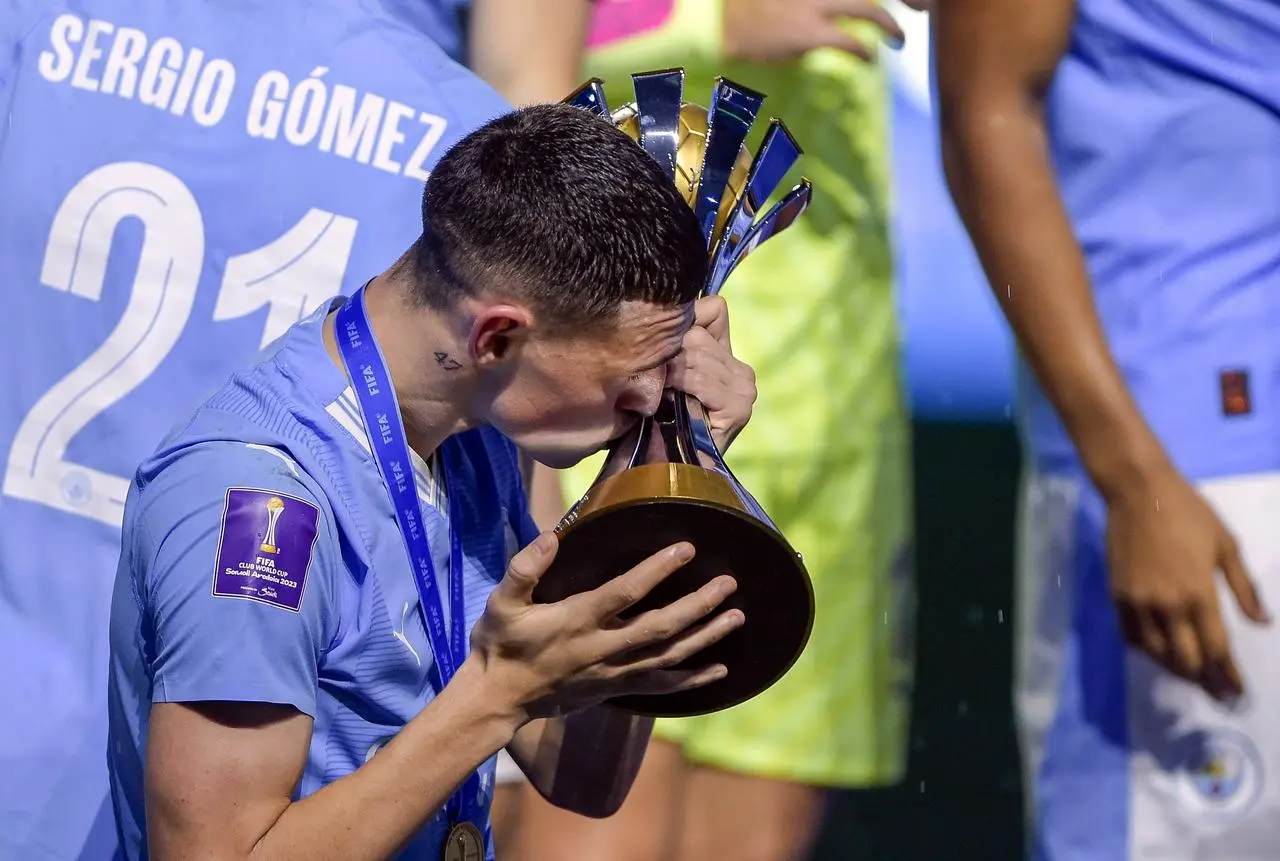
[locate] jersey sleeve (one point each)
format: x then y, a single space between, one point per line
240 562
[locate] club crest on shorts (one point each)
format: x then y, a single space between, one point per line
265 547
1220 777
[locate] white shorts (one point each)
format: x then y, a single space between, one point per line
1122 760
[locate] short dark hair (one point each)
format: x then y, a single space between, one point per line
558 207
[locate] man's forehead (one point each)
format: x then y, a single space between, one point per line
650 335
648 320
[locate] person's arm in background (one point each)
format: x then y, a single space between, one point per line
547 503
530 51
533 52
767 31
995 63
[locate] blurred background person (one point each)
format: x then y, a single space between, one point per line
182 181
1116 164
827 455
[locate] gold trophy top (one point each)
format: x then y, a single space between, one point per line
691 146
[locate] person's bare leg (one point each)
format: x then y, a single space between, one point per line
748 818
645 829
504 817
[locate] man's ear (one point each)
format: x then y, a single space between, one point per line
496 331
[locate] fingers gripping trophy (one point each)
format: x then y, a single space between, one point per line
665 481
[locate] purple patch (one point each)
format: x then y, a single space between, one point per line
265 547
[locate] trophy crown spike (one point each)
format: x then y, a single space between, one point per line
704 152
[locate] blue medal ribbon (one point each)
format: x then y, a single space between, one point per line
371 382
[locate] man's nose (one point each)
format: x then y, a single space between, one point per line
645 394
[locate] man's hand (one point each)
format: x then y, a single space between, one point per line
766 31
708 371
547 660
1164 544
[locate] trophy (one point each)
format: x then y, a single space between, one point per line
665 480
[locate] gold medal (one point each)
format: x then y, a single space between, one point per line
464 843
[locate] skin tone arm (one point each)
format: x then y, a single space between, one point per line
995 62
997 164
219 778
530 52
220 775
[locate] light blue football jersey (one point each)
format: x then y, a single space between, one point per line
181 182
1164 122
261 562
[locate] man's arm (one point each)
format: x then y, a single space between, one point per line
530 52
220 777
236 670
995 61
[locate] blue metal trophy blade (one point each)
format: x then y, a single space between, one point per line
659 96
777 155
776 220
591 97
729 118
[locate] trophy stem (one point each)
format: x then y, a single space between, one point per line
671 422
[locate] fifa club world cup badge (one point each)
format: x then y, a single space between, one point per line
265 547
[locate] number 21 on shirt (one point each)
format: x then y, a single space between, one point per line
291 276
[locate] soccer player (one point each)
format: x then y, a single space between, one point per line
305 558
182 182
827 453
1115 162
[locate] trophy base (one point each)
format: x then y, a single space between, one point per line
774 592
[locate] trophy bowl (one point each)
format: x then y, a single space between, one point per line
665 480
